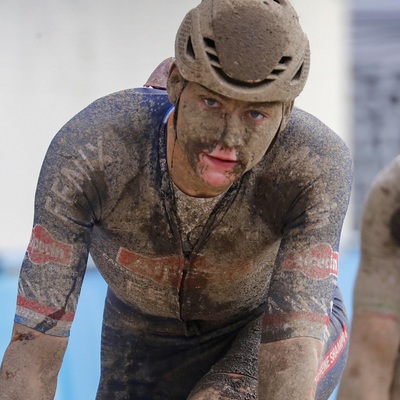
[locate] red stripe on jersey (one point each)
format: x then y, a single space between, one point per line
44 310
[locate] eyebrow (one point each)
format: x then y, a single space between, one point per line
265 104
210 92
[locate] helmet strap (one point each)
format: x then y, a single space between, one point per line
287 108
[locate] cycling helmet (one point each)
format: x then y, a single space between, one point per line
250 50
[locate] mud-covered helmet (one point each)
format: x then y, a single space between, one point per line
250 50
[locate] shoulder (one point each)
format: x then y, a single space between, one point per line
389 175
382 207
117 129
121 117
307 149
131 106
145 97
384 191
306 175
304 129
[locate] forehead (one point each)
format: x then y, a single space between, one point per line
199 90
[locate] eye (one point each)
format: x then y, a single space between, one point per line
211 103
255 115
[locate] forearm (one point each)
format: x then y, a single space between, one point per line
287 369
30 365
374 344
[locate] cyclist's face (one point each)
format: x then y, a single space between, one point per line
222 138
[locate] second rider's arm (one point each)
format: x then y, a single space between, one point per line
375 332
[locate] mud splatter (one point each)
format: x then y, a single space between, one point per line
20 337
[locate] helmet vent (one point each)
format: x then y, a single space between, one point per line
285 60
212 55
236 82
299 72
281 67
212 52
189 49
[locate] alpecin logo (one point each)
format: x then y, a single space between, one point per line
43 248
166 271
319 262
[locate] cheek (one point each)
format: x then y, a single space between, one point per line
258 144
198 130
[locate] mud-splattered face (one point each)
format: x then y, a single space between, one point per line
223 138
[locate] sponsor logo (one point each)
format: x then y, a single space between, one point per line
332 355
169 270
319 262
166 271
74 176
43 248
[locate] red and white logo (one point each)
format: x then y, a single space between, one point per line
319 262
43 248
166 271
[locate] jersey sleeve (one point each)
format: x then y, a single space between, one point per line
316 174
378 279
68 202
84 172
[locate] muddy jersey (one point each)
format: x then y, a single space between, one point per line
269 245
378 279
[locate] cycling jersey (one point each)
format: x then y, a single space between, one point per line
267 252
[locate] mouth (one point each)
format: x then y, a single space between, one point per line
221 162
223 154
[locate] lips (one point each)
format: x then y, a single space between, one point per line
223 154
220 163
220 159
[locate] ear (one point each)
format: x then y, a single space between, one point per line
175 84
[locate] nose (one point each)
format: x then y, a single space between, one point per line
232 134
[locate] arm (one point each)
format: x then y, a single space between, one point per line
288 368
374 347
31 364
375 332
296 323
52 271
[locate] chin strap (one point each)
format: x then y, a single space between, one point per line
286 113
